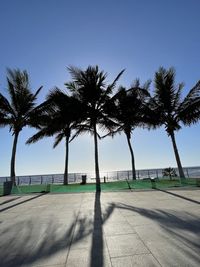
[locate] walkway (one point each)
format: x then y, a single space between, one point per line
151 228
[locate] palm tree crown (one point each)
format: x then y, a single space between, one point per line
60 114
127 108
18 111
172 109
91 88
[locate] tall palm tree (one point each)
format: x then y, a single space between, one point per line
172 109
90 87
60 115
127 108
18 111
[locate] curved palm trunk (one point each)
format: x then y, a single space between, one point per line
98 184
180 168
12 166
65 182
132 156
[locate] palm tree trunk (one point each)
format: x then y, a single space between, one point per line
180 168
65 182
98 184
12 166
132 156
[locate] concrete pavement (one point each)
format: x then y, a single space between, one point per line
149 228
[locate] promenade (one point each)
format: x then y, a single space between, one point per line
118 229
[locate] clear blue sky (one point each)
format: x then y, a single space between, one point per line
45 36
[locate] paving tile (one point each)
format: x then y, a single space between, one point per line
142 260
83 258
46 258
125 245
138 220
174 254
116 228
134 228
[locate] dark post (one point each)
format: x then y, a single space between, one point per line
17 180
84 177
30 180
41 179
104 179
128 175
153 184
138 175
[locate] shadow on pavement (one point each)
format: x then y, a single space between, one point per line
47 242
97 235
177 195
179 225
22 202
40 240
9 200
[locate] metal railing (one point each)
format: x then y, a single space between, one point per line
192 172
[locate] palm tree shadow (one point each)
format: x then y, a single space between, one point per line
22 202
179 226
97 236
35 241
177 195
9 200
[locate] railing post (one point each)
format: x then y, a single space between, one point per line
17 180
128 175
41 180
138 175
187 173
52 180
29 180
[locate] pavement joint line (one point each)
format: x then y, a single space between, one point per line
130 255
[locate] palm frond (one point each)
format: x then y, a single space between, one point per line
37 92
5 106
36 137
189 109
113 84
58 139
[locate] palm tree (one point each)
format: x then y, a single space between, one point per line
60 115
90 87
171 172
18 111
172 109
127 108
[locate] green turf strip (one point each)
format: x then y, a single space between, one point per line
109 186
1 190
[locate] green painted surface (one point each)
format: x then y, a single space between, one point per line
1 190
109 186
